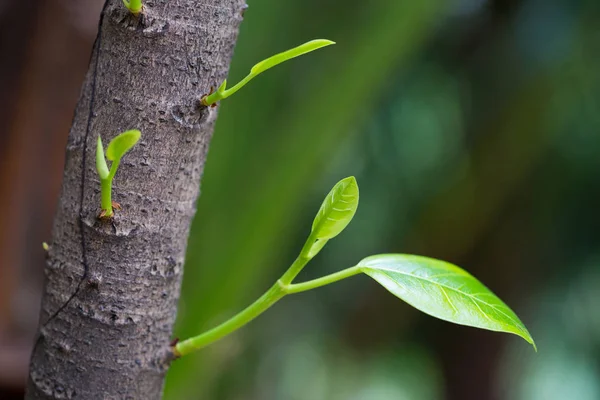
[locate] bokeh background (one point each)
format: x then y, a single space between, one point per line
472 127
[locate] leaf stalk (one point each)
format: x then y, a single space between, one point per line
273 295
270 297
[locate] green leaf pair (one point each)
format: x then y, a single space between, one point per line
222 92
435 287
114 152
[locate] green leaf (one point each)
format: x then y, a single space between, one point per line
444 291
337 210
122 144
289 54
101 166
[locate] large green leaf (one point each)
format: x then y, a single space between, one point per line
444 291
122 144
337 210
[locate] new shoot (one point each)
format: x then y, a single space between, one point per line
114 152
222 92
434 287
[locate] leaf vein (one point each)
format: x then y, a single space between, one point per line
448 300
341 209
481 311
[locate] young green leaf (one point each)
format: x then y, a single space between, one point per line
223 93
101 166
337 210
444 291
122 144
289 54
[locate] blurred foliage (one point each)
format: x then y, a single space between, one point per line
567 319
472 128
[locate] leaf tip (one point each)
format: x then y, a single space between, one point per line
136 133
523 333
223 86
351 180
527 336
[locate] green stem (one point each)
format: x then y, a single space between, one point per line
106 189
275 293
216 96
106 194
325 280
299 262
294 270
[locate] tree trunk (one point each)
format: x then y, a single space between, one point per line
112 286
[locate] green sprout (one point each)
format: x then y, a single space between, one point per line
223 93
134 6
114 152
434 287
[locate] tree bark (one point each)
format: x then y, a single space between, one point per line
112 287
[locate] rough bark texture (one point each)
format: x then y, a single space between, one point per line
112 286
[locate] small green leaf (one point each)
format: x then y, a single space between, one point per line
444 291
122 144
101 166
337 210
289 54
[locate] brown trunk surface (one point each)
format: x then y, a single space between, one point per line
112 286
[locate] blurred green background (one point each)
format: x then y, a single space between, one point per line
472 129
